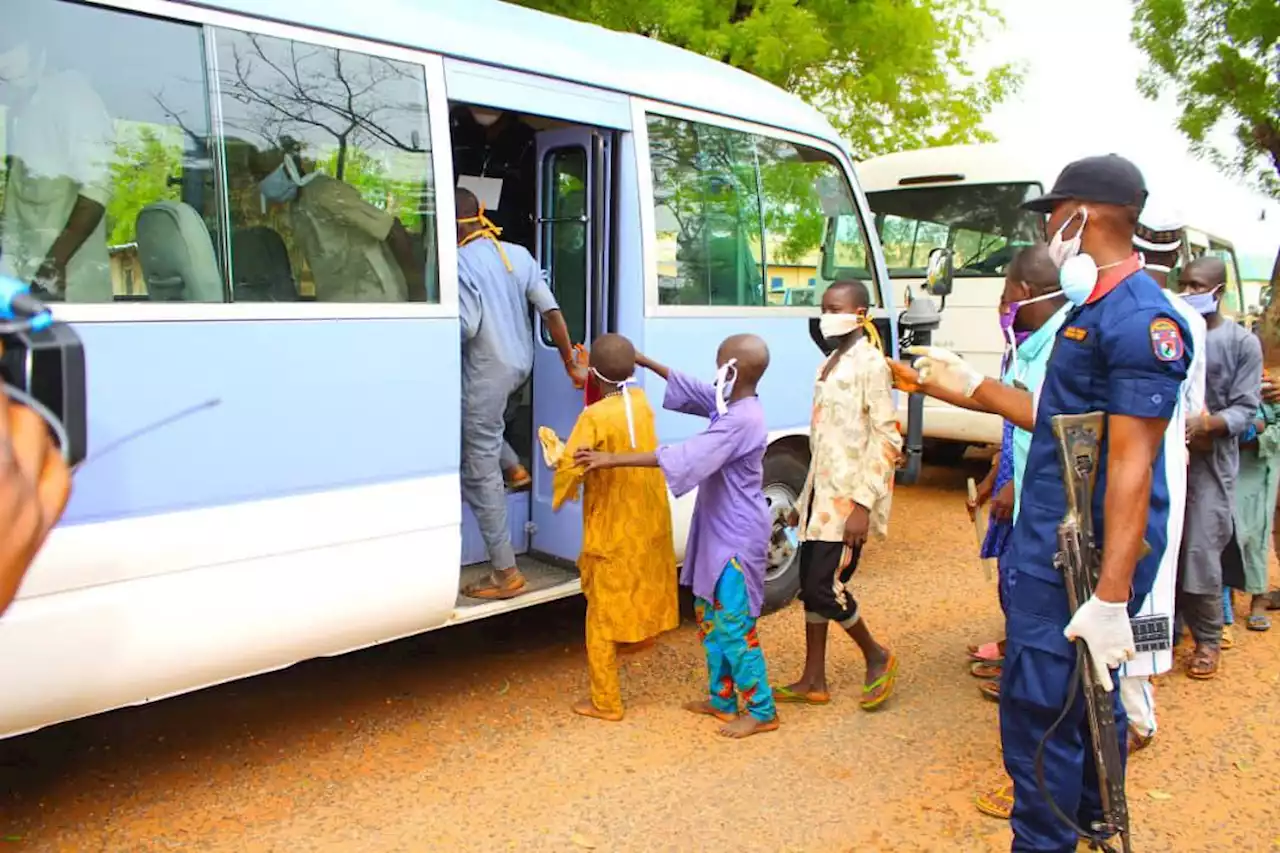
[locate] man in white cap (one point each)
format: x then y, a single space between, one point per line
1158 238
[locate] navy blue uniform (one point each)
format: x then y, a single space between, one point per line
1125 352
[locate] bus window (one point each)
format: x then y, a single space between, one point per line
107 175
983 224
735 210
564 232
328 157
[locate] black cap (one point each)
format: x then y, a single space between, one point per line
1110 179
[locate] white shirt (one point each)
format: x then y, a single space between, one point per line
1160 601
61 146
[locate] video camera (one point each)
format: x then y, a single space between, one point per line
42 366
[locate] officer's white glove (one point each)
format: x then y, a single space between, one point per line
1104 627
942 367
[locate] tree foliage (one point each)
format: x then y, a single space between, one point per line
1222 60
890 74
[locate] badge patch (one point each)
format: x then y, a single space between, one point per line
1075 333
1166 340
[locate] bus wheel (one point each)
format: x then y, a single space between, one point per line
784 476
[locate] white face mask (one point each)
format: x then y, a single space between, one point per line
276 188
1079 276
1061 250
725 376
834 326
626 401
281 186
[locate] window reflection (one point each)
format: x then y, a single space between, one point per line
329 168
734 210
564 223
107 180
983 224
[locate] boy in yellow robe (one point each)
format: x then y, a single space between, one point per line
628 560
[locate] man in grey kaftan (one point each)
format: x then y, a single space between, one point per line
1233 388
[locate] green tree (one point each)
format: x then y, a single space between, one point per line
890 74
1221 58
144 162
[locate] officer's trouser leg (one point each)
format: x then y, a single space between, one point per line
482 485
1035 679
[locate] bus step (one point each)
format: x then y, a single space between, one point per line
540 577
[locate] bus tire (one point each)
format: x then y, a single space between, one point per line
784 476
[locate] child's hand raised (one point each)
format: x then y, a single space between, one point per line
592 460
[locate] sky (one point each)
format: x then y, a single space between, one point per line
1080 97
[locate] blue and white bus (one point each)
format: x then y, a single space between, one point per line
316 510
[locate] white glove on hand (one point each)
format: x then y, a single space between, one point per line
942 367
1104 627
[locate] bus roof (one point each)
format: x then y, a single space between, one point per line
987 163
502 34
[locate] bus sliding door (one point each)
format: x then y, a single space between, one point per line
571 238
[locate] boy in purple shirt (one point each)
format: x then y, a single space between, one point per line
726 554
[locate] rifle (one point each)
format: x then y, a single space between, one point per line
1079 447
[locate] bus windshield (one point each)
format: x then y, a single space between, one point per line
982 224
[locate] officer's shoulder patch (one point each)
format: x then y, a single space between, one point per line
1166 339
1075 333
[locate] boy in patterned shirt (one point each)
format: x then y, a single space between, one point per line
855 446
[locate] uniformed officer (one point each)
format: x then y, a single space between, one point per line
1125 351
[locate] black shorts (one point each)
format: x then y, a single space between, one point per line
825 571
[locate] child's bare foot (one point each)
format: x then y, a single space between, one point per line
747 725
587 708
705 707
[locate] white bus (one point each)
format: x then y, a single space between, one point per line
316 510
966 198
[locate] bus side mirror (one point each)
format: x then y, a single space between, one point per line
938 277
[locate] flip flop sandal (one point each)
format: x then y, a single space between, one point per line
786 694
496 588
997 803
877 692
1203 666
990 690
517 479
982 669
1138 742
987 652
1228 641
1258 622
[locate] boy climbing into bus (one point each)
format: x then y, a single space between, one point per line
628 562
855 446
726 554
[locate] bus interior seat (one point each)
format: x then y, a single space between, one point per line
176 253
261 270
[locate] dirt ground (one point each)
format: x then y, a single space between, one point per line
461 740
